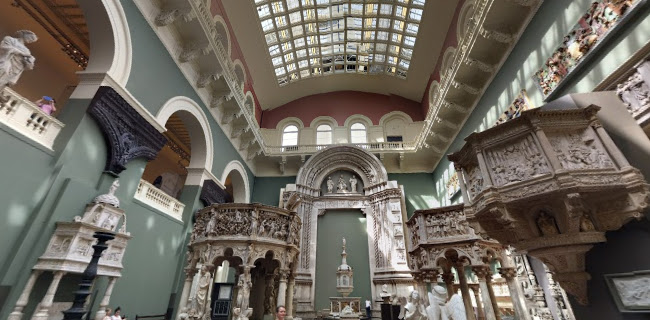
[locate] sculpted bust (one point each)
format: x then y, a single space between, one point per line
15 57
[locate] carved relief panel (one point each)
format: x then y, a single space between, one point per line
516 161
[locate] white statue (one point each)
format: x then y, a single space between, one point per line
353 184
109 198
15 57
440 309
201 297
413 308
330 185
342 186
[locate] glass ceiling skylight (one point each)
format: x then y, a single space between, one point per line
309 38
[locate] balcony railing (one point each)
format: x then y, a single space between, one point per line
159 200
313 148
25 117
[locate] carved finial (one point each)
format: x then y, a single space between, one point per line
110 197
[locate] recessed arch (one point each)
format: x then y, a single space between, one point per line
240 72
464 17
222 30
288 121
110 40
238 179
250 102
323 120
447 61
358 118
392 115
197 125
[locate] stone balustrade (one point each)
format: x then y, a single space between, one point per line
26 118
313 148
159 200
550 183
233 221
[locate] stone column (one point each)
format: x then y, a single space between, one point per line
479 308
185 294
448 278
290 294
464 289
46 303
462 181
482 272
518 302
101 312
493 298
282 288
17 314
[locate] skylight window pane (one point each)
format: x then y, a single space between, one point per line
263 11
370 23
380 47
396 38
338 24
355 22
277 61
323 13
339 10
274 50
382 36
307 3
311 41
292 4
407 52
354 35
267 25
296 31
283 35
356 9
325 38
380 58
315 51
286 46
302 64
400 12
326 50
412 28
324 27
398 25
369 35
301 53
310 28
309 15
386 9
367 47
415 14
295 17
314 62
338 48
362 59
280 22
392 60
384 23
418 3
338 36
393 49
299 43
278 7
288 57
291 67
351 47
404 64
271 38
371 9
280 71
409 41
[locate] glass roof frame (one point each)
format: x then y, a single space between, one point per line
311 38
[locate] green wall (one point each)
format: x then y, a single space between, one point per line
419 190
332 227
266 190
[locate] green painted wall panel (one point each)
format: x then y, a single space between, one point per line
419 190
332 227
267 189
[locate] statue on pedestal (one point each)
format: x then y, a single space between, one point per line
15 57
330 185
353 184
341 186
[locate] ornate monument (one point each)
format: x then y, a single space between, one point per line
345 307
70 250
15 57
550 183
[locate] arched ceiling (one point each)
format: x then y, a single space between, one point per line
433 29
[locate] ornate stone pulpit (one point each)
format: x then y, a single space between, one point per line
551 183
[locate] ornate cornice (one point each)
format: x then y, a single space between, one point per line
127 134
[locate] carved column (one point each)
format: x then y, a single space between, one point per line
101 312
289 304
477 298
46 303
185 294
448 278
282 288
17 314
484 169
464 289
548 148
518 302
482 272
493 298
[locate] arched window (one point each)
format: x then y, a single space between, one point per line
358 133
323 134
290 137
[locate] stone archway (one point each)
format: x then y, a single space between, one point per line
380 200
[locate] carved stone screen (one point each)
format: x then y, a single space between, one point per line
332 227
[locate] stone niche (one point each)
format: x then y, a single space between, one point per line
550 183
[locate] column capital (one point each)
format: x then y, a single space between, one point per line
448 277
284 274
482 272
508 273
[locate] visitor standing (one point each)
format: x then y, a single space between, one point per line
368 304
116 314
108 314
47 104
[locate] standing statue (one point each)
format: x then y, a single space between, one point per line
353 184
330 185
201 297
342 186
440 309
413 308
15 57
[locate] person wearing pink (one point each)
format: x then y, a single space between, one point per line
47 104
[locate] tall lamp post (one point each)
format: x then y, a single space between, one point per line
77 311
